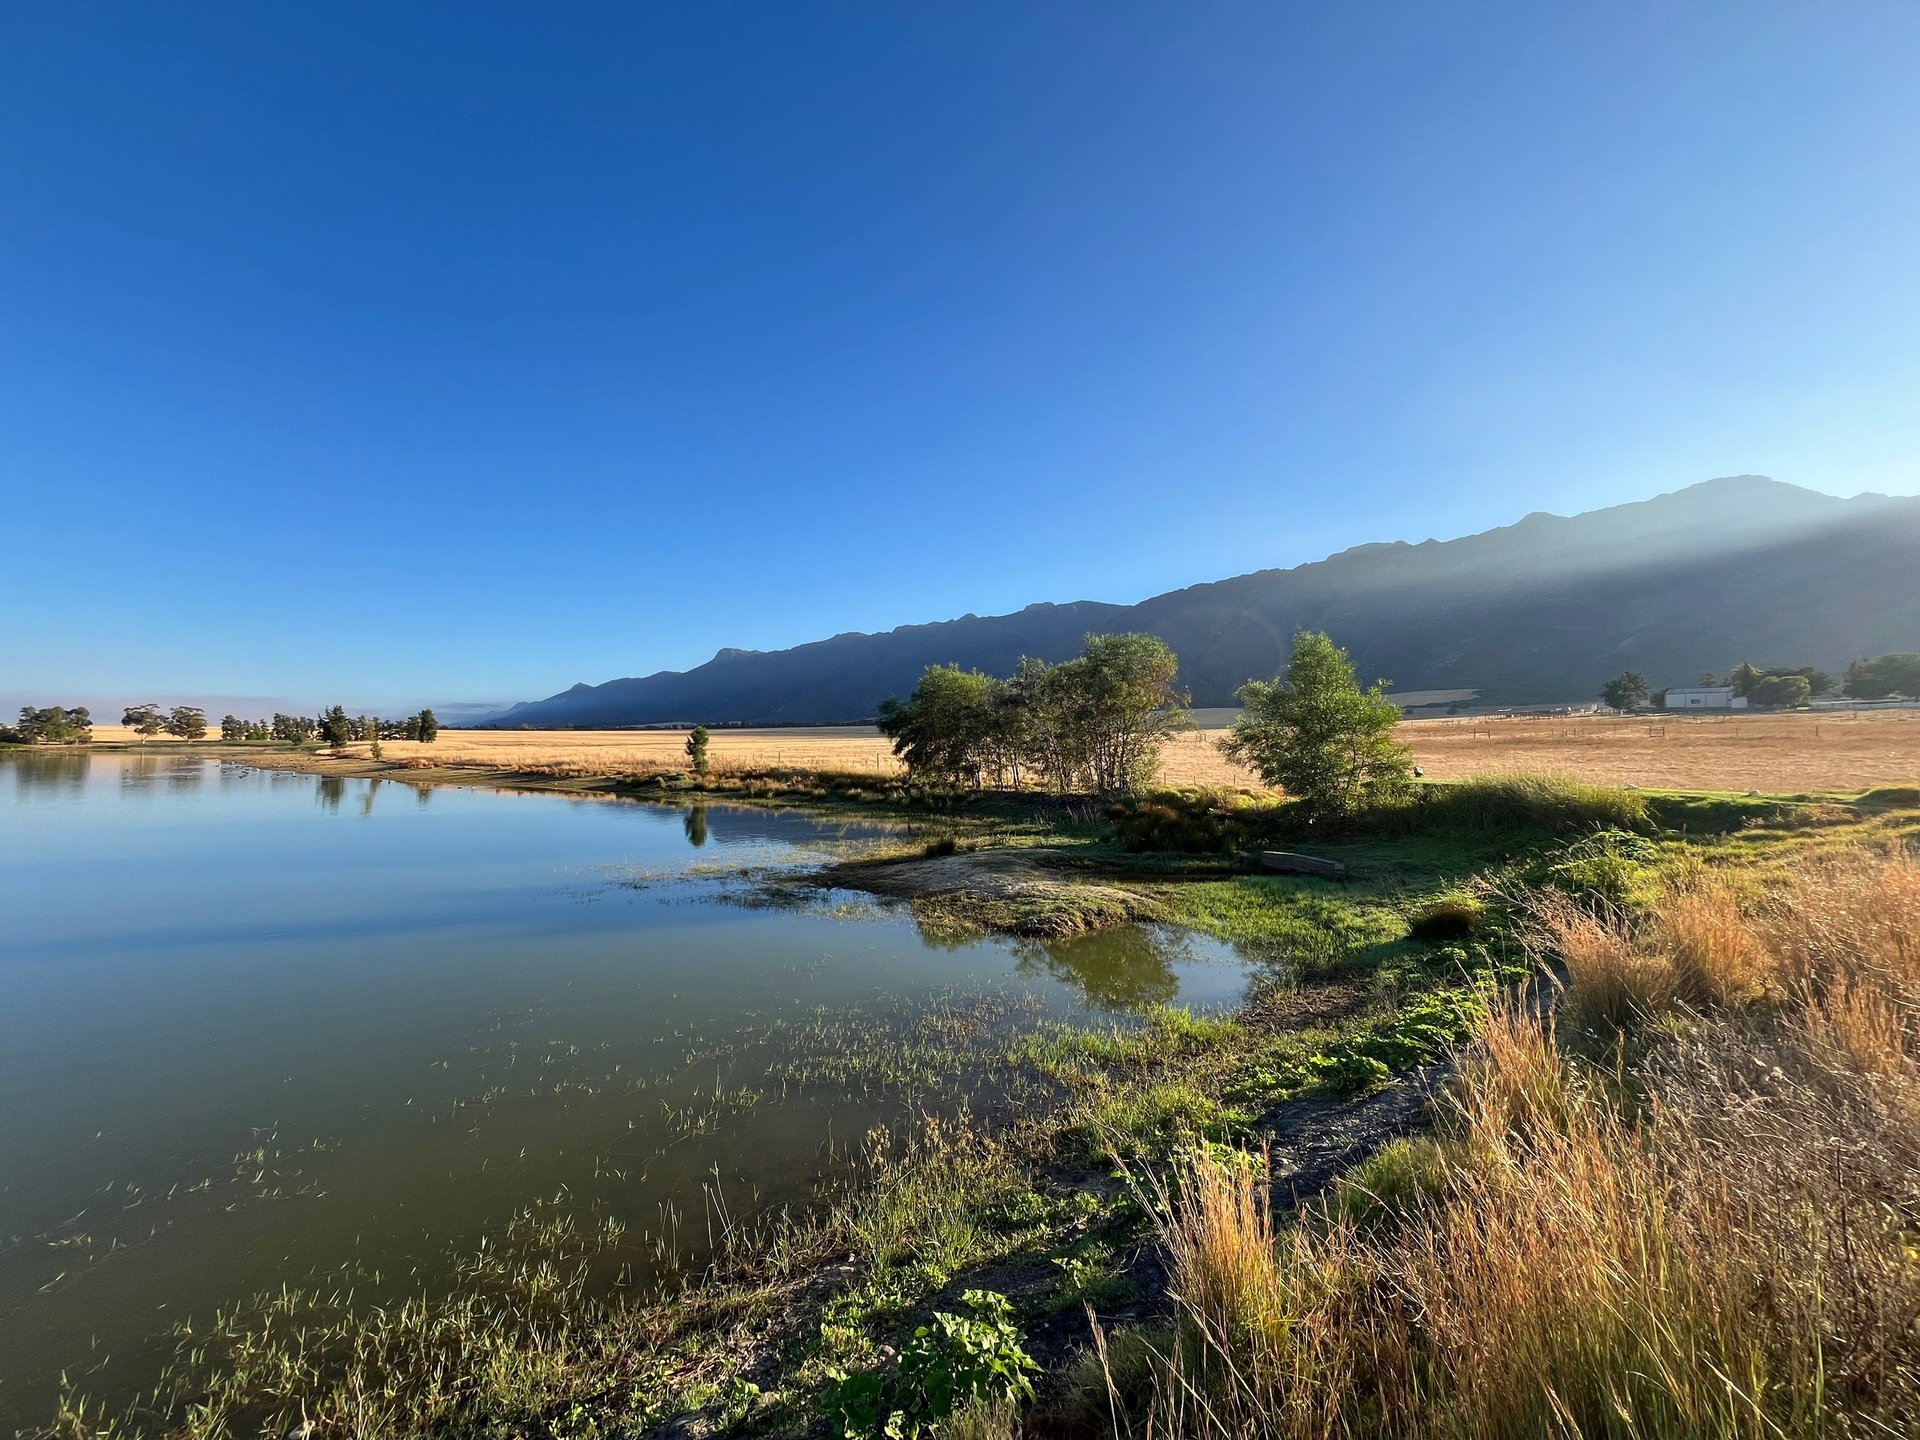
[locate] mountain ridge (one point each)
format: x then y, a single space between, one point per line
1544 608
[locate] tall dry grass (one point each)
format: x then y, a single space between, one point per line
1717 1239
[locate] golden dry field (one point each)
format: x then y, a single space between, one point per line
124 735
1834 752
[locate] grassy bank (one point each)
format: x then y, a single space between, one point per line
1688 1209
1178 1177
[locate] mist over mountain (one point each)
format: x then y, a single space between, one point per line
1545 609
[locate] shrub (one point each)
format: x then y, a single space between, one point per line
1198 822
1554 803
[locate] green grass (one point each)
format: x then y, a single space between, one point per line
1305 924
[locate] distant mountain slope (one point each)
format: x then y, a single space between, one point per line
1743 568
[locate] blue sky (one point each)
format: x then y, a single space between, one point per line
405 353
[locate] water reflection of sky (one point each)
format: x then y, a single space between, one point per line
460 996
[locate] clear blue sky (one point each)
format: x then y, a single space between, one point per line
414 352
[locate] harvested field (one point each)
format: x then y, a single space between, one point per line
1831 752
126 735
1836 752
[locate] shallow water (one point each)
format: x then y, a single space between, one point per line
255 1025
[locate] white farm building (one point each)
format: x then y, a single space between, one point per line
1705 697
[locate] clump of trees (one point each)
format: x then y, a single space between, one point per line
184 722
1626 691
333 726
1095 723
54 725
1779 684
1886 676
1316 734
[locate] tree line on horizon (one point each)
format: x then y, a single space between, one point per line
73 725
1782 686
335 727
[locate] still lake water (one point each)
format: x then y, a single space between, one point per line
256 1025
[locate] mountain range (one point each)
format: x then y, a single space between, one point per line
1543 610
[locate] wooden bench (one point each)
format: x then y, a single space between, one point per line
1288 862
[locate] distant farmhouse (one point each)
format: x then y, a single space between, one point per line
1705 697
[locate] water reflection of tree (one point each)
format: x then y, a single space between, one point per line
329 791
695 823
1127 967
366 798
142 775
49 774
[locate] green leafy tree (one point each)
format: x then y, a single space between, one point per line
1782 690
147 720
1626 691
1744 676
1051 724
1707 680
1132 705
1009 733
187 722
1818 681
429 727
232 728
1094 723
1317 735
1887 675
54 725
940 731
697 750
372 725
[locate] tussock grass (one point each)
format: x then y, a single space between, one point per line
1716 1241
1557 804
